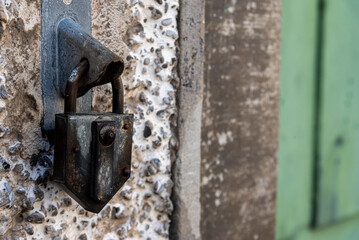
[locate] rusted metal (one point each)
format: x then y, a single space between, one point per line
126 171
72 86
107 135
126 126
53 12
75 45
103 167
76 160
76 78
93 151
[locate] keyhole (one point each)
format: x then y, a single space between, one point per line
67 2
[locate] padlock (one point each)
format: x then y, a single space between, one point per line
92 151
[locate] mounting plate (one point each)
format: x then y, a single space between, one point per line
52 12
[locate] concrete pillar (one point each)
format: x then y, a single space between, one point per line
240 119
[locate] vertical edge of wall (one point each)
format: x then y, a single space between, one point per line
185 222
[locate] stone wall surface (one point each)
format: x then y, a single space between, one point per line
144 34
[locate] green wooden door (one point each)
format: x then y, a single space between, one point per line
318 186
338 155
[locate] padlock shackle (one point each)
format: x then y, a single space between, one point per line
72 86
72 89
117 95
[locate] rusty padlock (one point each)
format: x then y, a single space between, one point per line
92 151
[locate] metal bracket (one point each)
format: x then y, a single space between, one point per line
66 41
52 12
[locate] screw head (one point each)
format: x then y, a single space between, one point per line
76 149
107 135
126 126
126 171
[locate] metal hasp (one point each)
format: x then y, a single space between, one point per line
52 12
92 157
66 40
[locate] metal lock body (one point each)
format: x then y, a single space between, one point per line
92 151
93 156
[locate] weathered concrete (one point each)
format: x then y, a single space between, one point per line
144 33
240 119
186 171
